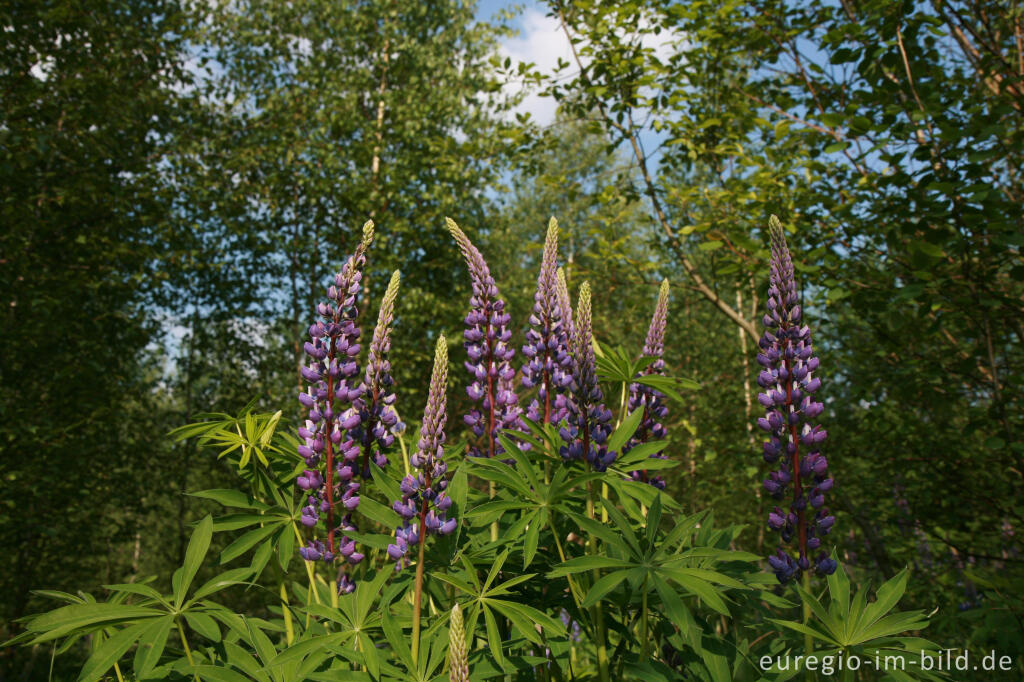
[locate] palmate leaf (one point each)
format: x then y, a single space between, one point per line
859 625
110 651
145 625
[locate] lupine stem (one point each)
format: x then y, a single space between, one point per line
644 641
491 491
597 612
117 671
808 640
286 613
417 596
405 451
184 643
309 572
561 555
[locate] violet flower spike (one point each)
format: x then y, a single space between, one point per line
588 423
489 353
329 448
379 422
565 303
424 493
650 400
789 385
548 366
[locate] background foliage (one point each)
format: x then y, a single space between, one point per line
179 180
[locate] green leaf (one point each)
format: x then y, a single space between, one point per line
376 511
297 651
231 498
198 545
588 563
108 653
536 616
639 454
677 612
806 630
66 619
204 625
839 591
152 641
285 546
215 673
247 541
625 431
698 587
607 583
136 588
495 507
235 576
668 385
653 520
397 638
530 540
384 483
887 596
493 636
622 523
819 611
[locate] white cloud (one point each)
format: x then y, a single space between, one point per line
542 42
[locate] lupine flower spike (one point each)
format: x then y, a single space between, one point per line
789 386
458 661
330 448
378 418
489 355
565 303
651 401
548 365
424 501
589 421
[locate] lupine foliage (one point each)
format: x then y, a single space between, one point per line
595 570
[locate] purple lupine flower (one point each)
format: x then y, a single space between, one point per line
329 446
549 365
377 415
651 401
575 633
588 423
489 355
789 386
424 495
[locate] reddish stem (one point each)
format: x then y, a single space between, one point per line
801 514
330 447
490 387
547 378
642 435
